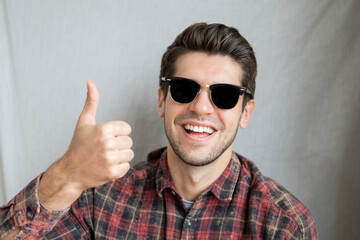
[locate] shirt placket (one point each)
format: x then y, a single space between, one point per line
191 222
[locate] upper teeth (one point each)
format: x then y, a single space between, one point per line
199 129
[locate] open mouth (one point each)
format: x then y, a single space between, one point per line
200 131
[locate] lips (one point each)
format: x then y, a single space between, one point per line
198 133
198 129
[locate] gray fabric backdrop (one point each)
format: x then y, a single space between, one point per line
304 132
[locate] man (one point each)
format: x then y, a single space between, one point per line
195 188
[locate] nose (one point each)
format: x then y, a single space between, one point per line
202 104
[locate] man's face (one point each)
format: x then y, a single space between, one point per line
198 132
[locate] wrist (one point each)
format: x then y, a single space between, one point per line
56 191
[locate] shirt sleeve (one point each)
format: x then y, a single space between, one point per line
306 224
26 213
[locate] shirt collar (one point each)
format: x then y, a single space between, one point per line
222 188
163 177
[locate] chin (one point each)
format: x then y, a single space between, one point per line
196 159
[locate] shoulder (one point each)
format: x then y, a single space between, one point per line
267 194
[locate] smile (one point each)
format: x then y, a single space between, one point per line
198 129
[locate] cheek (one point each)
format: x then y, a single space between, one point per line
173 109
231 120
170 111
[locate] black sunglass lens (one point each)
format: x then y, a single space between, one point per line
225 96
183 91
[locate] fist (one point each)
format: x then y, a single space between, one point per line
98 153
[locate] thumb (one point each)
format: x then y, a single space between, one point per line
88 113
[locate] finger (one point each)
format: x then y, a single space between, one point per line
121 169
116 157
120 128
115 143
123 156
111 158
88 113
123 142
115 171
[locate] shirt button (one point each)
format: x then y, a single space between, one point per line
188 223
173 193
29 213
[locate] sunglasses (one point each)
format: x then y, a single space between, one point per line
223 96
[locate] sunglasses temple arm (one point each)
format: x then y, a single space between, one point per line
246 90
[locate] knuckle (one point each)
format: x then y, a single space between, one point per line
102 129
106 159
108 144
99 126
112 173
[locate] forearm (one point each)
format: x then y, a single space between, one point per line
56 192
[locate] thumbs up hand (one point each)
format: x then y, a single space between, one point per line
97 154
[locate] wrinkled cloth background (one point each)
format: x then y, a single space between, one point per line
305 129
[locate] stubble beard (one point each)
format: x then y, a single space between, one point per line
200 158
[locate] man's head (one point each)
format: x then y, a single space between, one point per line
207 68
212 39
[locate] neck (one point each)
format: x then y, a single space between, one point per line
191 181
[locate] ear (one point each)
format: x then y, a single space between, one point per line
161 102
245 116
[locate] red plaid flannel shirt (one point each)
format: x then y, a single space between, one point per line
240 204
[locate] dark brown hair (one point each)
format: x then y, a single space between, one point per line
212 39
